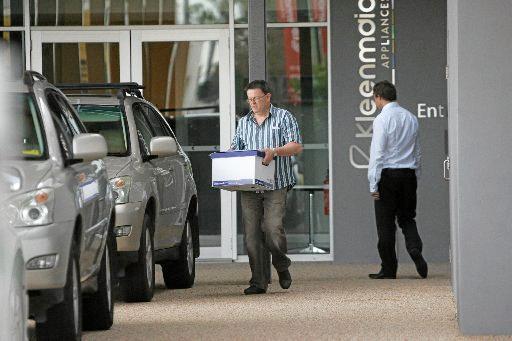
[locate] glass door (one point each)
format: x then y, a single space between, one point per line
82 56
186 75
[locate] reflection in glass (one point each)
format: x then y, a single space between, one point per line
12 55
285 11
182 80
297 73
11 13
241 70
182 75
128 12
296 11
81 62
297 70
240 11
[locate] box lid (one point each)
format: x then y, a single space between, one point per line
237 153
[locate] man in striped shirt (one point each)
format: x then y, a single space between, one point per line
276 132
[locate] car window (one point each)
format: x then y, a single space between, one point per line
57 113
167 131
156 121
109 121
28 140
60 107
65 131
144 130
69 113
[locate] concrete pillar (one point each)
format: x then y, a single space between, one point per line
479 83
257 40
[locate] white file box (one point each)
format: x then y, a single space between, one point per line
242 171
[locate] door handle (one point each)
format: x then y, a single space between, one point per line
446 168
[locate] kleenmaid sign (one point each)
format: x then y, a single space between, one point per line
376 48
370 39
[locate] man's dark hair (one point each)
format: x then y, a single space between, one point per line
385 90
258 84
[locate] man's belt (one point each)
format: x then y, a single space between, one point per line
399 171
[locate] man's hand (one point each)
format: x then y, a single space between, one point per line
269 156
376 195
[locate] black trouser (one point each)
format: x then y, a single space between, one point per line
397 189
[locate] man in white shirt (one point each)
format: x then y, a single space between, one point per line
395 158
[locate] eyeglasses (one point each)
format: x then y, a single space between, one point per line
254 99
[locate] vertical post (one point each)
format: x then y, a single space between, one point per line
258 58
27 38
257 40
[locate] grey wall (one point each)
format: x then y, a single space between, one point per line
480 84
420 56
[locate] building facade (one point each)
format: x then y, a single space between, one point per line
321 59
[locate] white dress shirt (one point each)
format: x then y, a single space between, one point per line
395 143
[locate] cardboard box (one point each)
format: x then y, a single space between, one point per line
242 170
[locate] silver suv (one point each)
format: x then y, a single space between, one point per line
156 196
62 205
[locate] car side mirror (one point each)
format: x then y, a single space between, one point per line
162 146
89 147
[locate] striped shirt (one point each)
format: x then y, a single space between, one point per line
278 129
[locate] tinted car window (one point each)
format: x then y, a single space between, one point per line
28 139
109 121
74 122
156 122
144 130
65 131
60 108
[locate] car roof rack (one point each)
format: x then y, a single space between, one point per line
131 88
30 76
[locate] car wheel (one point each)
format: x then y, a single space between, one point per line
64 320
181 273
140 277
98 308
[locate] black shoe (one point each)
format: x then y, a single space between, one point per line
285 279
419 261
381 275
252 290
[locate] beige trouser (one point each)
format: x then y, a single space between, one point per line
263 223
